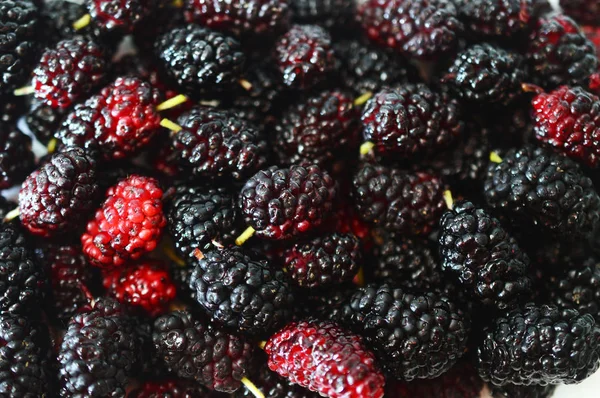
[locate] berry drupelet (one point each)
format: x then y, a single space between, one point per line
16 157
333 15
216 143
422 29
568 119
283 203
59 16
583 11
496 19
325 358
202 217
274 386
128 225
119 16
535 187
44 120
60 194
398 200
486 74
411 121
195 350
68 71
100 351
25 368
12 107
171 388
559 53
117 122
241 293
487 261
414 336
243 18
22 279
539 345
18 47
324 260
198 60
305 56
146 285
318 130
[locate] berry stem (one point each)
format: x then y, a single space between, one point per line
252 388
262 344
363 98
247 234
245 84
174 127
366 147
11 215
168 251
531 88
82 22
494 157
171 103
27 90
360 277
177 3
51 147
448 199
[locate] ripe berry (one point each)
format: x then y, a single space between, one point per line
68 71
172 388
305 56
583 11
146 285
274 386
16 157
501 19
12 107
325 358
128 224
282 203
568 119
333 15
59 195
116 122
118 15
58 17
43 120
417 28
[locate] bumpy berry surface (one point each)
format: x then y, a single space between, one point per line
22 280
18 32
496 18
539 345
559 53
325 358
118 15
305 56
100 351
195 350
172 388
324 260
146 285
60 194
199 60
398 200
568 119
68 71
274 386
318 130
241 18
16 157
282 203
200 217
242 293
534 186
485 73
411 120
44 120
116 122
417 28
414 336
479 252
583 11
215 143
128 224
11 108
58 17
24 349
334 15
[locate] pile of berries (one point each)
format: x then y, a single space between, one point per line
299 198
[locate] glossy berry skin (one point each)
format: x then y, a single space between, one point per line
422 29
559 53
119 15
305 56
283 203
325 358
496 19
334 15
16 157
116 122
582 11
71 69
171 388
59 195
43 120
568 119
145 285
398 200
411 120
243 19
128 225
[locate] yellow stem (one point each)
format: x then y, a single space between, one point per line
366 147
11 215
494 157
252 388
262 344
448 199
172 256
177 3
360 277
247 234
363 98
166 123
172 103
52 145
82 22
27 90
245 84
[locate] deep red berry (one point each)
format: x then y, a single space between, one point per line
147 285
583 11
323 357
128 225
417 28
68 71
496 18
116 122
305 56
118 15
568 119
